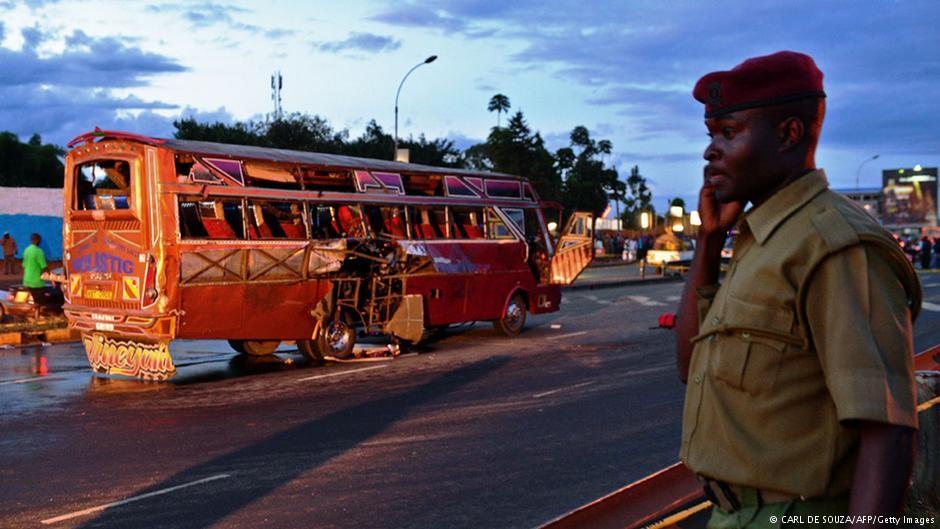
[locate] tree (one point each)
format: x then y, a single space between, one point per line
30 164
638 199
498 103
587 178
516 150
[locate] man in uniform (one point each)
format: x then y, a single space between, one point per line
801 397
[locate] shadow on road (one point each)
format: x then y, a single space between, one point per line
264 466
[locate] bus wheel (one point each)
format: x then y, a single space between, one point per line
311 351
513 320
338 339
255 347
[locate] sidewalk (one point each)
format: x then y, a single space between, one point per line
608 275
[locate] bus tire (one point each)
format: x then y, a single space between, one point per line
513 320
338 338
311 350
255 347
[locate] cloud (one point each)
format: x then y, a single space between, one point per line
86 62
208 14
62 94
356 41
642 58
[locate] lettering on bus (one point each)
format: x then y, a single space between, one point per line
102 263
132 359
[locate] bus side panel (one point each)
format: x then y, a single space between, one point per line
250 312
473 280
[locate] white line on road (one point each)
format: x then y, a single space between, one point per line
552 392
927 285
30 379
569 335
647 302
132 499
932 307
338 373
673 298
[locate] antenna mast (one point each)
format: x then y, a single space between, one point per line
277 83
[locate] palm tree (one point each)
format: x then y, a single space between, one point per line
500 104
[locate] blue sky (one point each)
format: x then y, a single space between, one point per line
624 69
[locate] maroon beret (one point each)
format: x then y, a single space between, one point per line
759 82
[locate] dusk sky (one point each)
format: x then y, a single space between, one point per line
624 69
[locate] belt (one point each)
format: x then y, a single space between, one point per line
732 498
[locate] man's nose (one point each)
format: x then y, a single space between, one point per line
711 153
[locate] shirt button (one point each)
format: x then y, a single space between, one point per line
697 378
745 335
716 320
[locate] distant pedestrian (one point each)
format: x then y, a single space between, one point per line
926 253
34 263
9 254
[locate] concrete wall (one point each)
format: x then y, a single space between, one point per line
28 210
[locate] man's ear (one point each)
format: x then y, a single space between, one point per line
790 132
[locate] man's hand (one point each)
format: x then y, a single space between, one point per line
717 218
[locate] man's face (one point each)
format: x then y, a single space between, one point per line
741 156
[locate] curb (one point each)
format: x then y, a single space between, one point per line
614 262
35 337
621 283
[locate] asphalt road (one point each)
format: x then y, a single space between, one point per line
474 431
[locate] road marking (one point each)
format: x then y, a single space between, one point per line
926 285
30 379
673 298
339 373
932 307
76 514
569 335
645 301
552 392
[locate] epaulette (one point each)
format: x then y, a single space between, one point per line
835 230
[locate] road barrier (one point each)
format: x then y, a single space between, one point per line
673 494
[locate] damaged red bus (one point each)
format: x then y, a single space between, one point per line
169 239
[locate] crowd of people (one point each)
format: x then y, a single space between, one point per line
628 247
922 252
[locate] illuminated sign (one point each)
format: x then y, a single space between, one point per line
909 197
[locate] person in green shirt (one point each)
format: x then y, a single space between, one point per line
34 263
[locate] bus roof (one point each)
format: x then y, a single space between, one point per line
332 161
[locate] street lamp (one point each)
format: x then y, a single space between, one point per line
859 171
429 60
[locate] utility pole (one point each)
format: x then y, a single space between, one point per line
277 83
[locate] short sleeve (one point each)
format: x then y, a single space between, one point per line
41 259
860 323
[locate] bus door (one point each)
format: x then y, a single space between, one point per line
574 250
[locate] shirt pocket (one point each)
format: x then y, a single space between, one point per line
754 339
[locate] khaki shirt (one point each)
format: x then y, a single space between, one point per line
810 330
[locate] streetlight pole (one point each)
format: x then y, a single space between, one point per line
859 171
429 60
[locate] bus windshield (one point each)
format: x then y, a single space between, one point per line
103 185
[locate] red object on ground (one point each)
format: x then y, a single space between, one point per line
667 320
